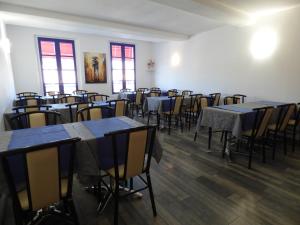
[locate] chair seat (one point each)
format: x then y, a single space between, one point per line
292 122
111 171
191 110
272 127
23 197
247 133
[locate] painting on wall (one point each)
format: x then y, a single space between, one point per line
95 67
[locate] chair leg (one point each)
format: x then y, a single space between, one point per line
158 120
151 194
264 151
116 213
181 123
149 114
222 136
294 138
285 143
195 136
169 124
209 137
225 143
274 145
250 154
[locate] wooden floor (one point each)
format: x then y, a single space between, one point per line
195 186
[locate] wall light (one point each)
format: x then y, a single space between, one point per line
263 43
175 59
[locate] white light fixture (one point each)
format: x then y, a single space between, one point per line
175 59
263 43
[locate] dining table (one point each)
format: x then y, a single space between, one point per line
61 108
93 152
234 118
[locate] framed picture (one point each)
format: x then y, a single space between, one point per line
95 67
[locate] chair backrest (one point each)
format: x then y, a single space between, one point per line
79 106
120 106
240 98
155 93
154 89
230 100
30 101
52 93
186 92
138 151
143 89
204 102
261 121
44 184
286 112
26 94
89 94
139 97
70 99
176 104
79 92
21 109
125 90
90 113
98 97
216 98
172 92
194 102
34 119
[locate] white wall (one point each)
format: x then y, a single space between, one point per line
7 89
220 61
27 69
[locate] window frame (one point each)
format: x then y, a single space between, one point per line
58 57
123 45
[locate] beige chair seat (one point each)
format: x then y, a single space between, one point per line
23 197
292 122
111 171
247 133
272 127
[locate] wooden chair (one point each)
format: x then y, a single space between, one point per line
119 106
125 90
240 98
98 98
285 113
155 89
138 152
175 110
26 94
138 103
192 110
230 100
143 89
30 101
90 113
257 133
294 123
78 106
46 182
35 119
203 102
172 92
21 109
216 98
70 99
155 93
79 92
187 93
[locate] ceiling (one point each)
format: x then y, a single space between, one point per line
152 20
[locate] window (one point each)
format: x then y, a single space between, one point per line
58 65
122 66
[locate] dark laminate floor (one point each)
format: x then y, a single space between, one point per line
195 186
